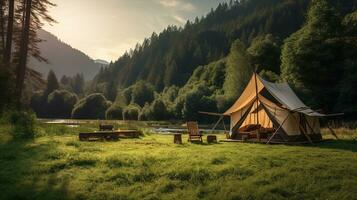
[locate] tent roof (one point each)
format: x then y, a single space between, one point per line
280 91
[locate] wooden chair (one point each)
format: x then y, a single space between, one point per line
193 132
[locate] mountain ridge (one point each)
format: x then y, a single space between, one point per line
62 58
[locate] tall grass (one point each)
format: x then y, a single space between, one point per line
55 165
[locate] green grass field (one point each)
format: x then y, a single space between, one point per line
55 165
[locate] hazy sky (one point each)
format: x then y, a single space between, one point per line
105 29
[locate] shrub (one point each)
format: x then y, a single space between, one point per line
195 102
115 111
145 113
91 107
37 103
131 112
142 92
23 124
156 111
60 104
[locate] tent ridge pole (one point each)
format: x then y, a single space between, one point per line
256 95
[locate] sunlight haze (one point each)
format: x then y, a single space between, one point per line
106 29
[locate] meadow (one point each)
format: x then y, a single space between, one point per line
55 165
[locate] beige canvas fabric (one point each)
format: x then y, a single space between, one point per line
263 118
289 110
247 96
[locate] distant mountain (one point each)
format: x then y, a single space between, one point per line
63 59
102 62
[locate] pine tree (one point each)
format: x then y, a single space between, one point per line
52 84
32 15
238 71
311 58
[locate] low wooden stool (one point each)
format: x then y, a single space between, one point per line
211 138
178 138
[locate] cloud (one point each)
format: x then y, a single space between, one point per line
177 4
179 19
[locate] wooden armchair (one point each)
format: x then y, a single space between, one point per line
193 132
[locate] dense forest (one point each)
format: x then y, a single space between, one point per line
204 65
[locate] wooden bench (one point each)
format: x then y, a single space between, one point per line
101 135
108 135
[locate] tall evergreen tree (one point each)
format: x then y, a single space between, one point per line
238 71
311 60
32 15
78 84
10 29
52 84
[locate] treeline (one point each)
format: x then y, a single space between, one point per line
170 57
316 58
19 22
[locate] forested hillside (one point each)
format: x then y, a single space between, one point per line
170 57
205 65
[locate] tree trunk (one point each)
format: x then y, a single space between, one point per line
2 27
21 68
10 24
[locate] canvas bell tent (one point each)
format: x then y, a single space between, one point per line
271 112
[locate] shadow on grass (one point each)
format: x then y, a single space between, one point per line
341 144
204 143
23 177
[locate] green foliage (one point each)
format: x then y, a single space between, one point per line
239 70
78 84
74 84
38 103
346 102
60 104
23 124
350 23
170 57
142 92
158 110
131 112
139 93
93 106
115 111
314 57
265 53
52 83
269 76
